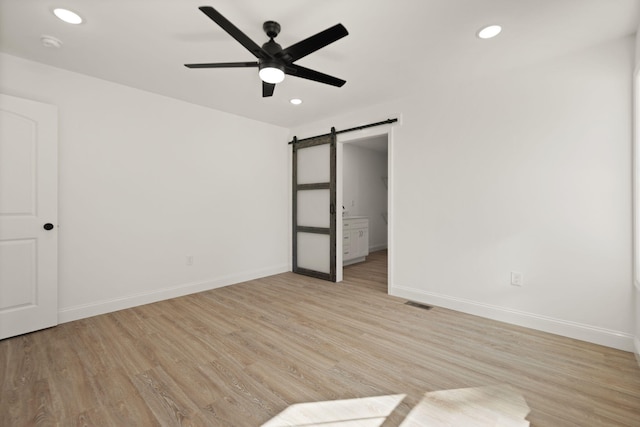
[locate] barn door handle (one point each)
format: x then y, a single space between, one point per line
332 209
48 226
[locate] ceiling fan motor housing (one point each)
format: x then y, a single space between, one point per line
272 48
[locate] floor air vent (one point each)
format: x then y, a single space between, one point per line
417 304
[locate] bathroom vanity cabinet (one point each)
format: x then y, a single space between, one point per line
355 239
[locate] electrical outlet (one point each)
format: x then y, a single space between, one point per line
189 260
516 278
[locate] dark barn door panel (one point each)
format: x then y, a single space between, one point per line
314 207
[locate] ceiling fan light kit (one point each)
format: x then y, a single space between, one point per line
271 72
274 62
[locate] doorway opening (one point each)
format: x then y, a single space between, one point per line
364 193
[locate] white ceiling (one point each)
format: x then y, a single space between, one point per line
394 48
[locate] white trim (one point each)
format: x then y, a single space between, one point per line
339 204
391 179
378 247
107 306
580 331
635 193
635 184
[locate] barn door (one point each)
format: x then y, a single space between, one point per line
314 207
28 216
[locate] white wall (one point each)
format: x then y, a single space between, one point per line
364 191
526 171
146 181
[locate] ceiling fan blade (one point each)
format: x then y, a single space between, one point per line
313 43
267 89
235 32
223 65
306 73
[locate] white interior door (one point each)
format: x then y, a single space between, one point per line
28 216
314 207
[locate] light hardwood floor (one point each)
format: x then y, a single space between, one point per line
239 355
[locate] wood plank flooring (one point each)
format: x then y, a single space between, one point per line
239 355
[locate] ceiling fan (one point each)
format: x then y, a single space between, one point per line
274 61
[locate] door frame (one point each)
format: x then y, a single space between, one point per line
636 204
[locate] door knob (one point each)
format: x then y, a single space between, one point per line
48 226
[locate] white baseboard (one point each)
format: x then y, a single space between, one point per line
583 332
107 306
636 342
375 248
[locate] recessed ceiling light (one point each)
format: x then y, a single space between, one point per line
489 32
296 101
68 16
